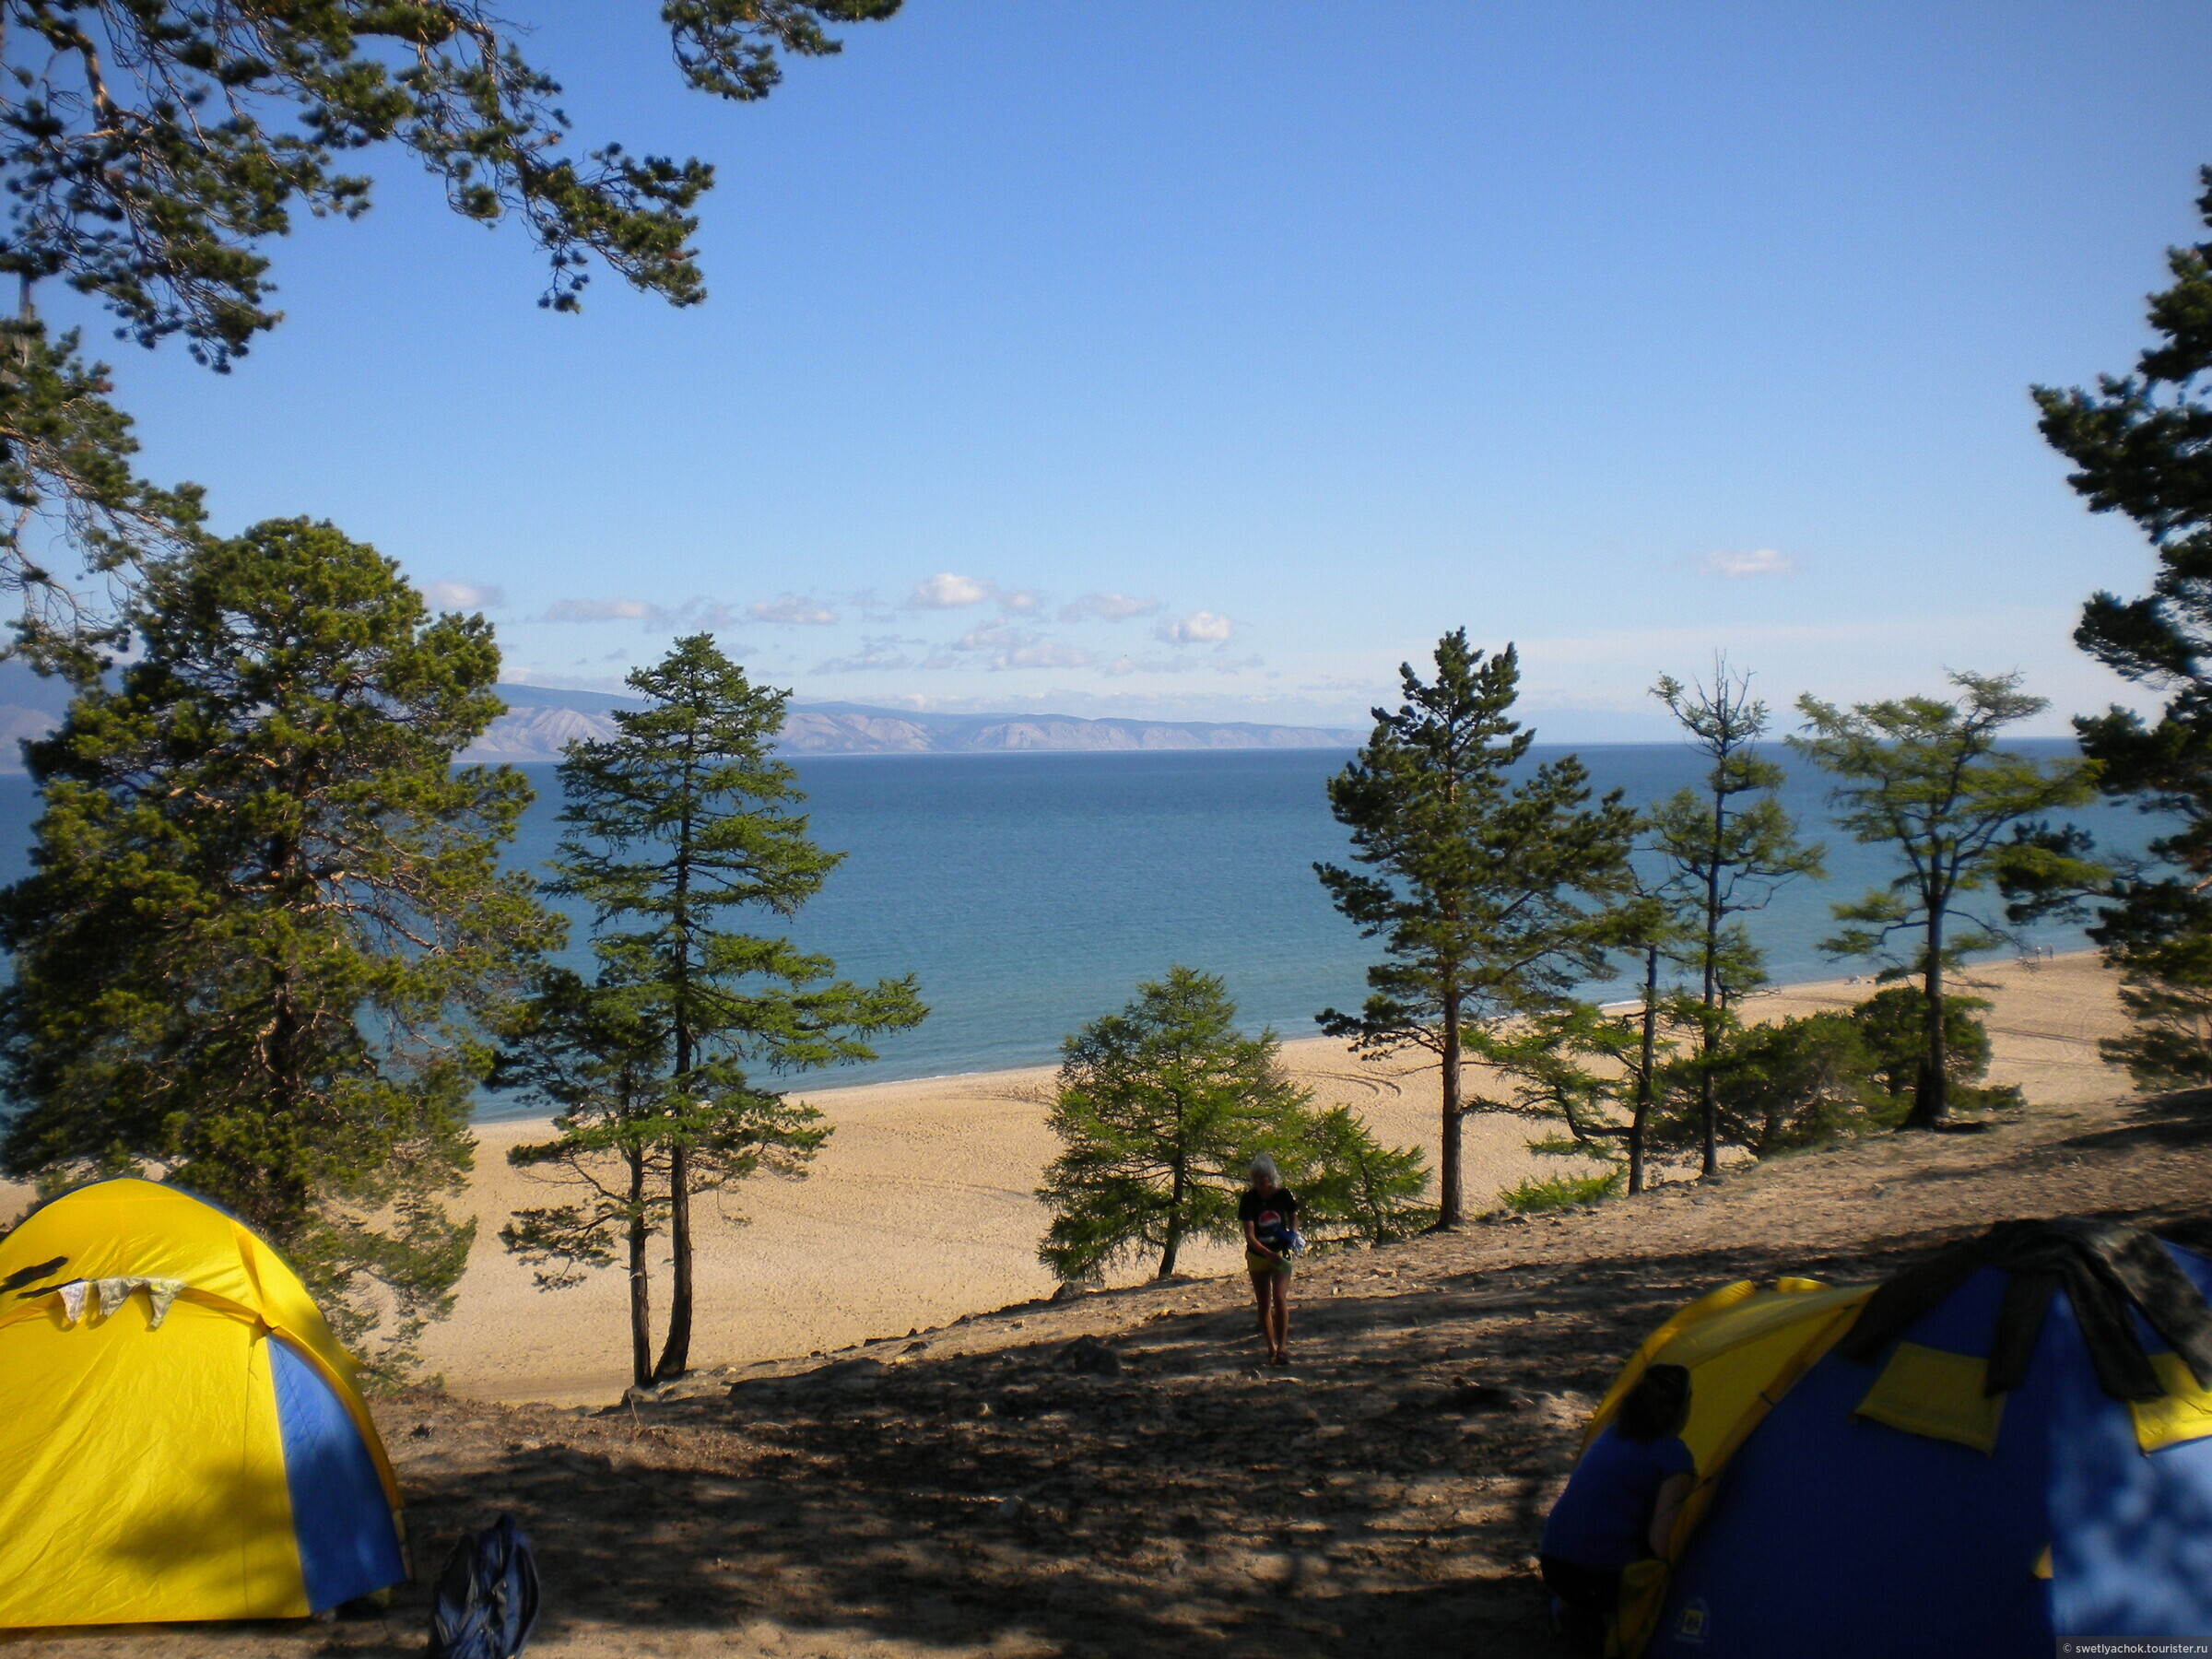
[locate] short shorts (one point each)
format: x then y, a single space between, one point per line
1256 1263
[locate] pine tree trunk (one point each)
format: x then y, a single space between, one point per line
1643 1076
1931 1091
1177 1186
287 1203
1448 1207
641 1287
675 1353
1708 1028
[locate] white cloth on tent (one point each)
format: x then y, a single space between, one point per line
113 1292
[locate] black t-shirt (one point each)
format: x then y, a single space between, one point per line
1271 1218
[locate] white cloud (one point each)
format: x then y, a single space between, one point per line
791 609
1029 651
949 591
1200 627
462 596
707 613
876 652
1758 561
1154 662
1108 607
606 610
1008 647
944 591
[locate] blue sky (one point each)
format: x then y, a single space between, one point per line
1207 362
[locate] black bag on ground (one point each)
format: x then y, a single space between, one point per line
487 1600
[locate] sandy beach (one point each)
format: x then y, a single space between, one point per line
921 1207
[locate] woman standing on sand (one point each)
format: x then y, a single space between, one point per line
1269 1212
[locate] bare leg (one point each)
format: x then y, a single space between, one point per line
1260 1282
1278 1335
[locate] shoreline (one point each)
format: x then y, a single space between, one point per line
1834 983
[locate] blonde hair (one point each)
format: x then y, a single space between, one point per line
1264 1165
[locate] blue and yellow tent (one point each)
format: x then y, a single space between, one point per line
180 1433
1881 1495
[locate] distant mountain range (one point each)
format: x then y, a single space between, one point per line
540 720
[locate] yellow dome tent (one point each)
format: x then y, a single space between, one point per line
180 1433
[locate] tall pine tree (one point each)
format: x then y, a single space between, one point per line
1727 846
1494 897
265 913
681 817
2138 446
1925 777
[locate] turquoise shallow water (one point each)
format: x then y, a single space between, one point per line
1030 893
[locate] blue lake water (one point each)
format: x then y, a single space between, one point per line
1030 893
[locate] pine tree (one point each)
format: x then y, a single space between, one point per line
1927 778
680 818
266 913
1778 1087
2137 445
1893 1027
1726 855
1159 1109
1493 898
